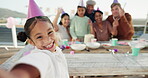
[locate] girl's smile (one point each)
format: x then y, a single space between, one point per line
43 36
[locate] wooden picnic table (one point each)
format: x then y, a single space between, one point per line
101 62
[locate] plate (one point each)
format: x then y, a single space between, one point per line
78 46
106 45
93 45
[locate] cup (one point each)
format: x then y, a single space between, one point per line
135 51
65 42
88 37
114 41
93 40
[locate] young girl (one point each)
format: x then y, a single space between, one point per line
63 27
102 29
79 25
46 60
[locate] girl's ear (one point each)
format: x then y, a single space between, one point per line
30 42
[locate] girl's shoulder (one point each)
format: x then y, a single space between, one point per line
86 17
74 17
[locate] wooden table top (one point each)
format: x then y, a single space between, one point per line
102 62
107 64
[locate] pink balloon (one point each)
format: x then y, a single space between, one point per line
10 22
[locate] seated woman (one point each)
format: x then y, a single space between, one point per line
102 29
62 28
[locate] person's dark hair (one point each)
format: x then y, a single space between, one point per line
62 16
114 4
29 25
22 36
81 7
96 12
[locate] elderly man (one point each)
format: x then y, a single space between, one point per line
90 9
122 20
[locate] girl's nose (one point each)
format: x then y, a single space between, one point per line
47 40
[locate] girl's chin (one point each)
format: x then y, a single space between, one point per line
52 49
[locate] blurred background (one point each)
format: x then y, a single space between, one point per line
18 10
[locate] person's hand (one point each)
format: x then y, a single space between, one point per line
121 11
116 23
90 22
73 40
5 74
59 10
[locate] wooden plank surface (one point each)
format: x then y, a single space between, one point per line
107 64
99 61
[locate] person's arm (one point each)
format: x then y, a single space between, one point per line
91 27
32 66
5 74
55 21
126 19
25 71
9 62
72 29
21 71
128 28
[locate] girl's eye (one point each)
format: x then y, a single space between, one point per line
39 37
49 33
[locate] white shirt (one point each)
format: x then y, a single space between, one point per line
8 63
49 64
62 33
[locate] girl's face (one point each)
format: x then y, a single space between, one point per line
43 36
98 17
115 11
65 21
81 12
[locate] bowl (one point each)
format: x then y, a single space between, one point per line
78 46
106 45
93 45
137 44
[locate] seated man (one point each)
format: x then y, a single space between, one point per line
125 28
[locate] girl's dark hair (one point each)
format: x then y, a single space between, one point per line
62 16
81 7
22 36
29 25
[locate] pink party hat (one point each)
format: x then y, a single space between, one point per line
34 10
98 9
81 3
115 1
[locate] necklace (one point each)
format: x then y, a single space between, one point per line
100 29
